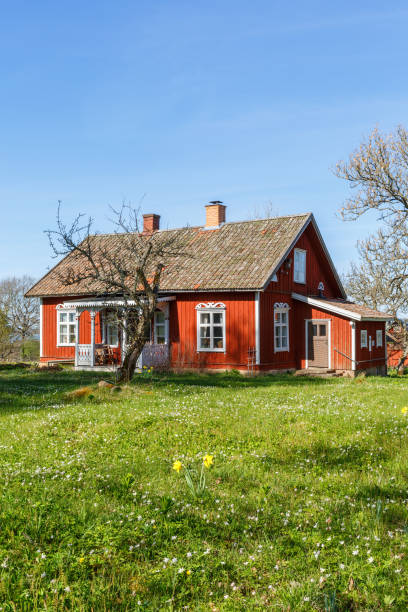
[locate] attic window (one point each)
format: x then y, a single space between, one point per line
299 268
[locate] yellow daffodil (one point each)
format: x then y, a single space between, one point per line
208 460
81 559
177 465
188 572
404 410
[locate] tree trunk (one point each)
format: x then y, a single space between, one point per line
127 369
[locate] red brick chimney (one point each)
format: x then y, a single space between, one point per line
215 214
151 223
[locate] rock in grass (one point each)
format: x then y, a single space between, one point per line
105 383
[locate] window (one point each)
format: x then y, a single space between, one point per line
66 327
363 338
299 268
322 330
159 327
112 335
378 337
281 328
210 328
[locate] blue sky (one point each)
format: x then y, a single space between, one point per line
186 102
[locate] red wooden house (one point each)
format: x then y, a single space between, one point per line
261 294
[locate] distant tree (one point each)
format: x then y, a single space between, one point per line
22 313
6 345
129 267
378 175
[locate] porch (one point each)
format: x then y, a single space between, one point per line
104 348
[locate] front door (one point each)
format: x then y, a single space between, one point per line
318 344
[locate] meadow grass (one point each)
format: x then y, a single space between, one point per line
305 505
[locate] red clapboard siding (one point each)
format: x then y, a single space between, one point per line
240 330
317 270
366 358
270 359
49 330
340 336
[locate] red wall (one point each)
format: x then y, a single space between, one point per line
340 336
240 330
377 356
49 323
317 269
282 359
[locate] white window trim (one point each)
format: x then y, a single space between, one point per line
379 335
299 282
211 307
281 307
164 325
363 334
64 310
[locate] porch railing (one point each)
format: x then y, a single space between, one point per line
84 356
156 355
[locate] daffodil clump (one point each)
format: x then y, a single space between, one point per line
195 482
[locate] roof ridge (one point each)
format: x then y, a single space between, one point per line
185 227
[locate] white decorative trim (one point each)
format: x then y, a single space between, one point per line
257 329
365 345
209 305
281 306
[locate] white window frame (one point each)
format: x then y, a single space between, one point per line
280 308
379 337
211 308
66 311
297 277
110 324
161 324
363 338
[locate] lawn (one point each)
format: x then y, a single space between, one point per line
305 505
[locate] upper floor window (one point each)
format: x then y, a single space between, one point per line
66 327
159 327
281 327
363 338
299 266
211 327
378 337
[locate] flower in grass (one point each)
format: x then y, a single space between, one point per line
208 460
404 410
81 559
177 465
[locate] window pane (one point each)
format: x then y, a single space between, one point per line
205 332
284 316
277 332
277 317
63 316
314 327
71 317
218 332
72 337
204 318
159 316
204 343
278 342
217 318
322 330
63 329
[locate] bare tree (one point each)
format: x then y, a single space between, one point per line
128 264
377 172
22 313
6 344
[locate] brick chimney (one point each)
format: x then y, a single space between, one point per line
151 223
215 214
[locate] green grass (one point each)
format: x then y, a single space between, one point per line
305 506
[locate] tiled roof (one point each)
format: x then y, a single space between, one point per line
355 311
241 255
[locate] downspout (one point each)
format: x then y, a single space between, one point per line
41 328
257 329
353 346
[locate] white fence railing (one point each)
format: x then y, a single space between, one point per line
84 355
